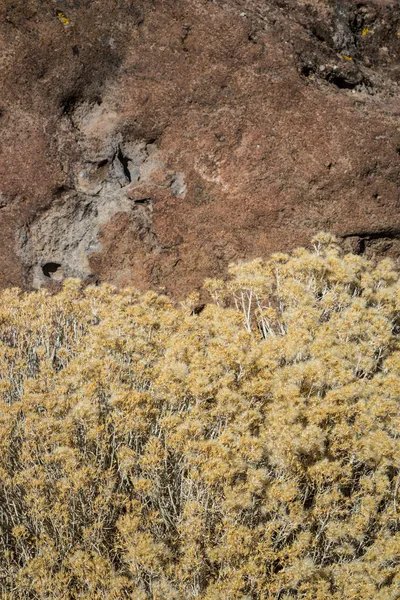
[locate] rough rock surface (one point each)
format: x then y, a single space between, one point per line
152 142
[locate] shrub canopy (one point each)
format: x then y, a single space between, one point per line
247 452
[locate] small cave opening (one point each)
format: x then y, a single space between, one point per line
307 70
342 82
51 270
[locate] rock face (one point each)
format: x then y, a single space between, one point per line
152 142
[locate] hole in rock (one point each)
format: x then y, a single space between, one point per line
69 103
342 82
50 269
307 70
143 201
60 190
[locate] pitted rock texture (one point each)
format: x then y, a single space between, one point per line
150 143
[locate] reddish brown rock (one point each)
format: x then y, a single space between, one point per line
152 143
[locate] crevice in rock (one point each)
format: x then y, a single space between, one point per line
364 239
143 201
391 233
124 160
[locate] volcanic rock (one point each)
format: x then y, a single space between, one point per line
150 143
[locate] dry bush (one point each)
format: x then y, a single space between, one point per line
247 452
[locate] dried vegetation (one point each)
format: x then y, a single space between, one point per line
247 452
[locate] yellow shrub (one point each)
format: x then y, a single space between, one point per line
247 452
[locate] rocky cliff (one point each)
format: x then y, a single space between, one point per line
152 142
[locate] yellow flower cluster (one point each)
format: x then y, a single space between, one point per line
63 18
249 452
